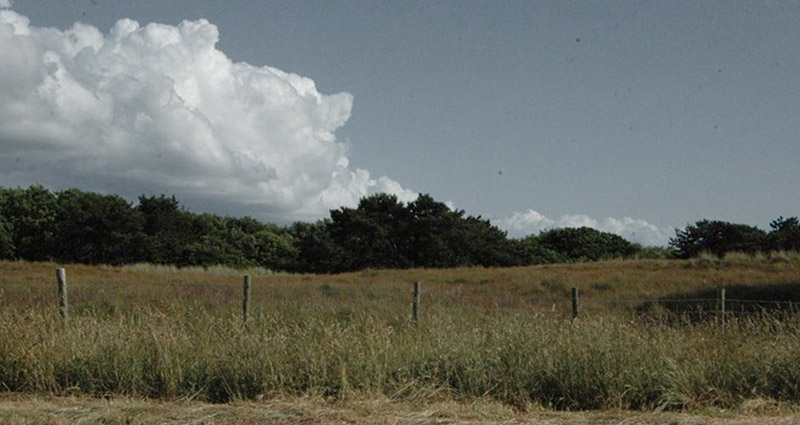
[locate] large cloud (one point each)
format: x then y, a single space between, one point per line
158 109
529 222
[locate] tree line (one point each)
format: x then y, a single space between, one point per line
720 237
74 226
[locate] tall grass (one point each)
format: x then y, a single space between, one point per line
515 358
172 334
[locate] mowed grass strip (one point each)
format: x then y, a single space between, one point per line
28 410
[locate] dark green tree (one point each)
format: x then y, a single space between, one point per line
96 229
176 236
478 243
256 243
31 214
433 243
785 234
240 235
718 238
210 243
384 233
586 244
275 248
376 234
447 238
6 239
167 228
316 251
532 251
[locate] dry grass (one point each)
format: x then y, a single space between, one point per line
486 334
30 410
26 285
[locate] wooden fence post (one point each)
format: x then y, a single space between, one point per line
415 303
722 307
574 303
61 278
245 298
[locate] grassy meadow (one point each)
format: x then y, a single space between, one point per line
499 334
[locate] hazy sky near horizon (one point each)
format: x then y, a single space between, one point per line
634 117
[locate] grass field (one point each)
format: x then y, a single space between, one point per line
502 335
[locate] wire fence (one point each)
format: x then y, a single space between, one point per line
402 294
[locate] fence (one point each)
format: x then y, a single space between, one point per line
719 307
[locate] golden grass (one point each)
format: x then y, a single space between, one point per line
25 284
154 331
38 410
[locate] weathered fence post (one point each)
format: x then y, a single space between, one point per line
722 307
61 278
245 298
574 303
415 303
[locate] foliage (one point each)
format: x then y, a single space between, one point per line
718 238
31 214
6 241
95 229
384 233
376 234
654 252
785 234
380 233
84 227
166 229
316 251
432 243
533 251
585 243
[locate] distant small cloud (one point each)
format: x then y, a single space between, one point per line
159 109
5 4
520 224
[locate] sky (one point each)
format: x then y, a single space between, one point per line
633 117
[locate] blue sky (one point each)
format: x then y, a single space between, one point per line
630 116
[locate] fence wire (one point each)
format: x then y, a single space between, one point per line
212 294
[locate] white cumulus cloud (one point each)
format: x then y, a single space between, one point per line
5 3
159 109
524 223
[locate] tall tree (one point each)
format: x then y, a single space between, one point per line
376 234
532 251
31 214
316 251
481 243
209 243
585 243
432 240
384 233
718 238
785 234
6 239
167 229
96 229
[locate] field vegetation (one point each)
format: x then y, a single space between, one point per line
502 334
